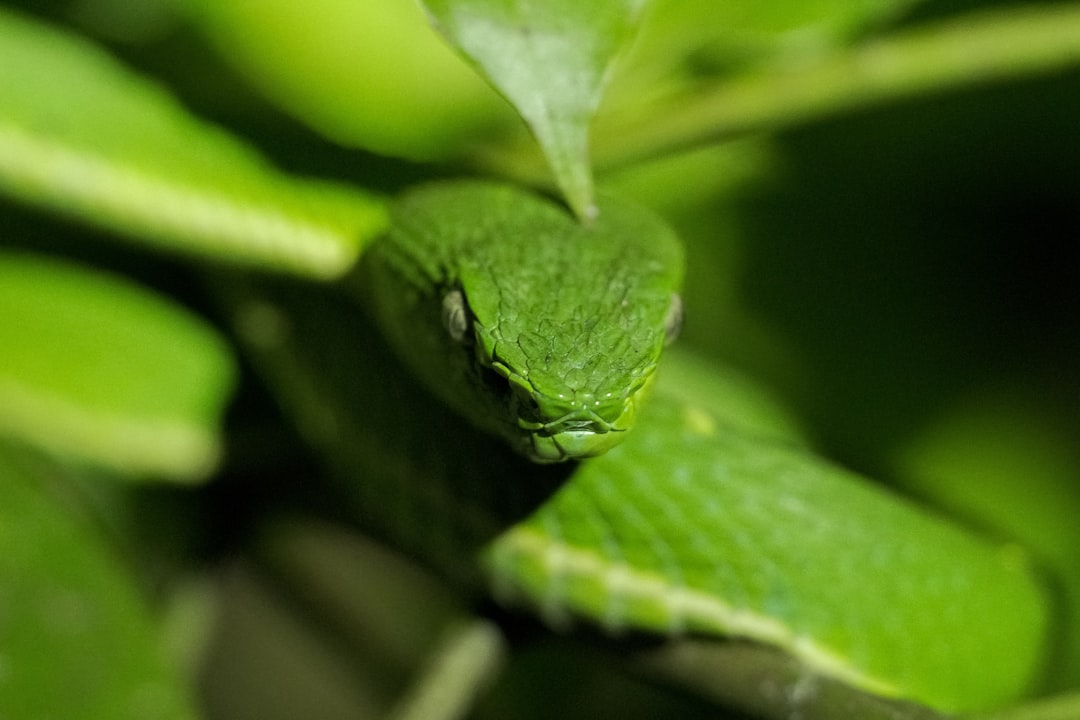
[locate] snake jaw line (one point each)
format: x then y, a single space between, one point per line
571 445
561 428
582 432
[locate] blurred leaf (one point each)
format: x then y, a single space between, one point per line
682 40
75 638
271 659
81 134
98 368
989 46
1000 458
551 59
124 21
386 81
716 26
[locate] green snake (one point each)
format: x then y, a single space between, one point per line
708 519
549 343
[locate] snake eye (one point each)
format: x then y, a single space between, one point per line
455 315
674 319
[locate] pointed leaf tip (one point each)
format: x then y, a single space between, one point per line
550 58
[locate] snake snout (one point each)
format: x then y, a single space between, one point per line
580 420
579 433
566 423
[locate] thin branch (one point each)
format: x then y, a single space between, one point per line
466 661
973 49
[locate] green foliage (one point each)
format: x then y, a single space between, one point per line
763 93
359 51
77 637
98 368
886 246
81 134
551 60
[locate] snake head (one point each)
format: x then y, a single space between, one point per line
573 392
530 324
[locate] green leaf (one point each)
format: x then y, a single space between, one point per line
386 80
709 26
683 40
1001 457
975 48
76 640
95 367
551 59
81 134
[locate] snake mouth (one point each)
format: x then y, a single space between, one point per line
580 433
587 426
571 445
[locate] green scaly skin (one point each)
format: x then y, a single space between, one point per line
711 520
556 338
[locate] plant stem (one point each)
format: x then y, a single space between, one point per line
467 659
977 48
